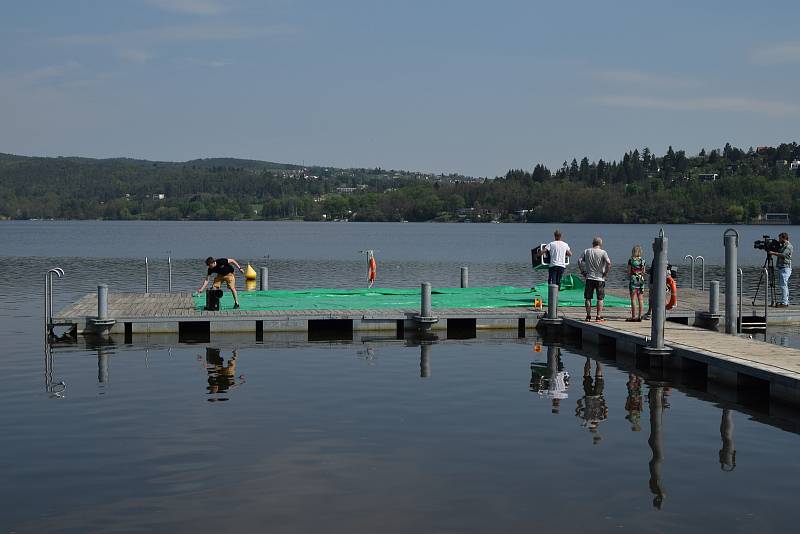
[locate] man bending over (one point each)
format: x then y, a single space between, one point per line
223 268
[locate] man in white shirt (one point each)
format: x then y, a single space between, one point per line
559 251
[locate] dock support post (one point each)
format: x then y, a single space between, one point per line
465 277
713 298
263 282
552 301
146 275
731 242
656 346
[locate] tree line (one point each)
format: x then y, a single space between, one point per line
727 185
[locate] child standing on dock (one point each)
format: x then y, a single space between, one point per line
223 268
636 270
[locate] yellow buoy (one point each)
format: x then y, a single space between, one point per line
249 272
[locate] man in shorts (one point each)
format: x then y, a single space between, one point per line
559 251
223 269
595 265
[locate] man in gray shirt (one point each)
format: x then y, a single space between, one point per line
594 265
784 267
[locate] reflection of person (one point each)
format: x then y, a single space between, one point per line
559 251
784 267
592 407
595 265
221 376
634 402
636 281
223 269
552 380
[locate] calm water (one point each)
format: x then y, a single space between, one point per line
366 436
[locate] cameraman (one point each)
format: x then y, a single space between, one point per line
784 267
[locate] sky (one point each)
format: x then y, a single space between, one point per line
436 85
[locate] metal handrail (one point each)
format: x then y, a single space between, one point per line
702 271
691 260
741 297
48 297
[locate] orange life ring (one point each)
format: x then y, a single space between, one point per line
673 293
373 269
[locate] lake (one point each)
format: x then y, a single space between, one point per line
493 434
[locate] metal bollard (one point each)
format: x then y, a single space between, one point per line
102 302
169 266
465 277
713 298
552 301
263 281
146 275
659 291
731 242
425 304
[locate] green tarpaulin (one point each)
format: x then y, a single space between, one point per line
571 294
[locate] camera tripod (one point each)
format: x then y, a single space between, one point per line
772 292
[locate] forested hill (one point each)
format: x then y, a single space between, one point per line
724 185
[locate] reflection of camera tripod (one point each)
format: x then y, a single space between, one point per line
772 292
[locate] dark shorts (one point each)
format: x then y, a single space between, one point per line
592 286
554 275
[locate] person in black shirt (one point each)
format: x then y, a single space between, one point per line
223 269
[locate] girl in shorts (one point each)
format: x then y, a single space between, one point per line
636 272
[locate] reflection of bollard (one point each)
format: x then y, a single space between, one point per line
727 454
263 281
465 277
656 398
424 361
731 241
102 302
713 298
102 365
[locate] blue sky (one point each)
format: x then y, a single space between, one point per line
439 85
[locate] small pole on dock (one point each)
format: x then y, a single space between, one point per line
146 275
713 297
169 265
660 246
766 300
263 282
102 302
731 242
465 277
552 301
425 304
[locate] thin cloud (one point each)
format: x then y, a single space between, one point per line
748 105
176 34
190 7
210 63
136 56
634 77
779 53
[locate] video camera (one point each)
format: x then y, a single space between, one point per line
767 244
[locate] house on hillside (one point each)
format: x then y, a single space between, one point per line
708 177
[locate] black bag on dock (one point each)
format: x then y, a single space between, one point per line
213 296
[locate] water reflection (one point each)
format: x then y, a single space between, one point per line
634 402
656 397
550 379
727 454
221 375
592 408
